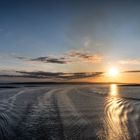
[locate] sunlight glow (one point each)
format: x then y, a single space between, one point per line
116 120
113 72
113 89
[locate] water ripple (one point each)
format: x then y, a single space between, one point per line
122 118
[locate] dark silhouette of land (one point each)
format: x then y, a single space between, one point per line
34 84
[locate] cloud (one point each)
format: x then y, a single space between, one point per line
130 62
48 59
45 59
55 75
132 71
21 58
66 58
85 56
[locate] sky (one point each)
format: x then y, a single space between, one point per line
69 40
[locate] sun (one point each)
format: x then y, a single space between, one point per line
113 72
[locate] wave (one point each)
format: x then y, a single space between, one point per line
122 118
69 112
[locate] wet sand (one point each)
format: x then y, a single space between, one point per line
70 112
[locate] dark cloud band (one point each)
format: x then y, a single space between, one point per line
53 76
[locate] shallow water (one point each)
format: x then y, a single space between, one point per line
70 112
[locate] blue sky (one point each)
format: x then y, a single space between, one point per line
109 30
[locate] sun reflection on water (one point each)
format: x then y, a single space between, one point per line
115 116
114 90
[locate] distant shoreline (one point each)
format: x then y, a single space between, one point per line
66 83
129 85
